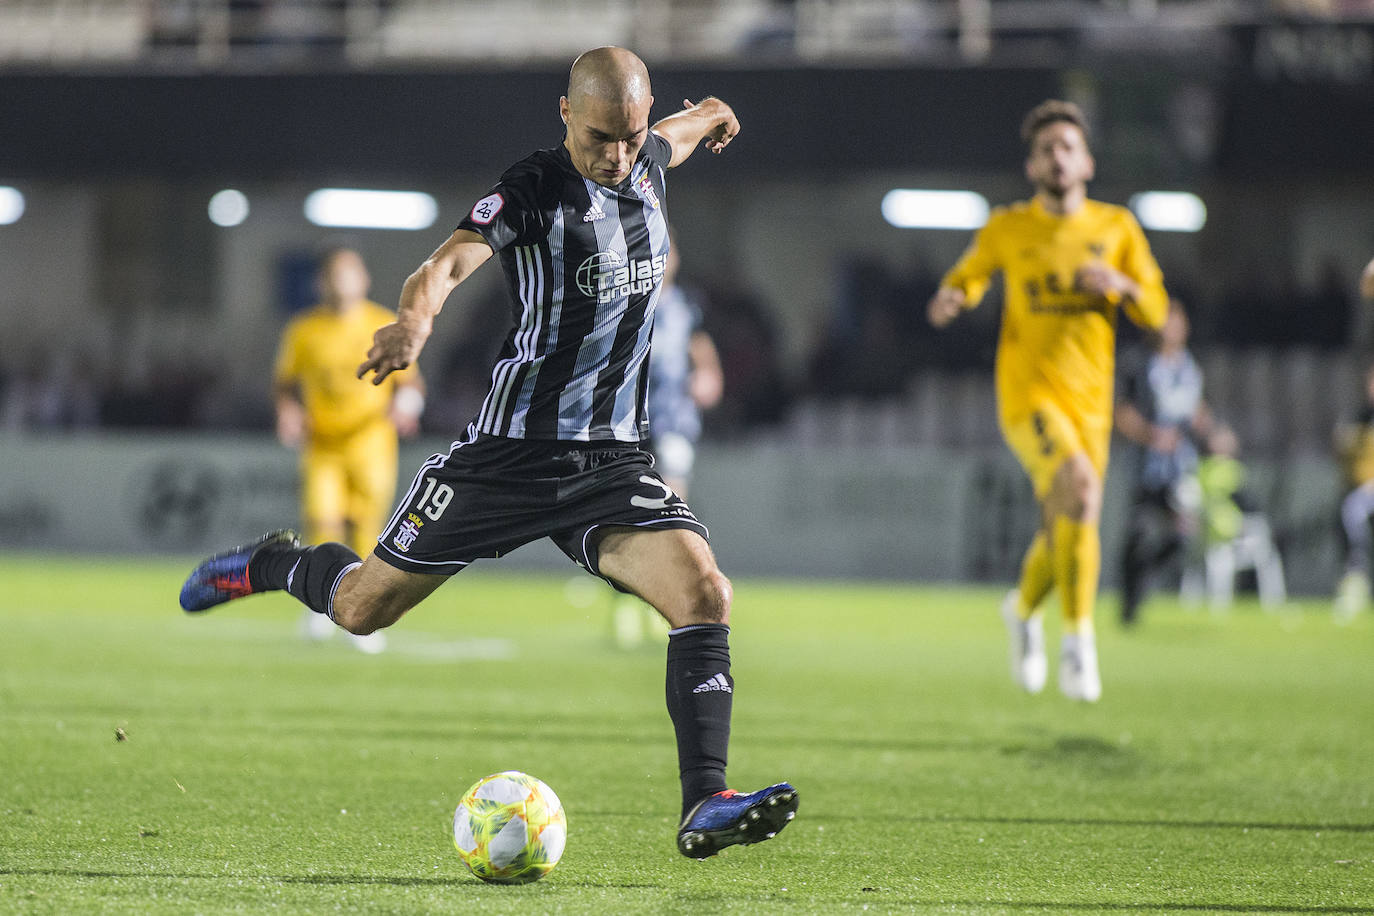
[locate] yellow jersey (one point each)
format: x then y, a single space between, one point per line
320 352
1058 343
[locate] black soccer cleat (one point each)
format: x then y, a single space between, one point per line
225 575
729 819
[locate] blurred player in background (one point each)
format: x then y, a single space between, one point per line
685 378
345 428
1070 266
1354 441
556 449
1161 411
1355 449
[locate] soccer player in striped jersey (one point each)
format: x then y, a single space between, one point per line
1070 267
555 450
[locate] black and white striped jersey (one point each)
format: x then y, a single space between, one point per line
583 265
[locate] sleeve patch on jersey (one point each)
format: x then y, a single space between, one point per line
485 210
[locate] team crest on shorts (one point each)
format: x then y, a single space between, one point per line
406 534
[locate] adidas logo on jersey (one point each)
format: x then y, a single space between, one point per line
594 214
716 683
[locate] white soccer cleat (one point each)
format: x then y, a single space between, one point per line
1078 676
1027 641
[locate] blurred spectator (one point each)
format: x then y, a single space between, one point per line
156 392
54 391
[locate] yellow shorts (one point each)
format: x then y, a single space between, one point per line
348 487
1046 436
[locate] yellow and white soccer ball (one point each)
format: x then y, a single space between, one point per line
510 828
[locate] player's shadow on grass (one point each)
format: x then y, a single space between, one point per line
1084 752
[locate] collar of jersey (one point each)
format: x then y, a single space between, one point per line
1038 208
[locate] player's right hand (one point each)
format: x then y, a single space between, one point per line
290 423
394 347
945 306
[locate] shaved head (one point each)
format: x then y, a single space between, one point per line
609 74
607 113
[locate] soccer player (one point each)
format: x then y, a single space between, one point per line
684 378
1162 412
1070 265
555 450
1354 441
345 428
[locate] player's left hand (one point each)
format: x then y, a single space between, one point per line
724 130
394 347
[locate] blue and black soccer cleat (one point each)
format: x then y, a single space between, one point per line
225 575
729 818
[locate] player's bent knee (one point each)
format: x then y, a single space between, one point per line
354 616
361 614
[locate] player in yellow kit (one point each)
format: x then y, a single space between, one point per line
345 428
1070 265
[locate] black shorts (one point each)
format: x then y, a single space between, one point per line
491 495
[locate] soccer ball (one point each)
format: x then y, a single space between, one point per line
510 829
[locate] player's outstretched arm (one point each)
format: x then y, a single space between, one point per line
397 345
710 119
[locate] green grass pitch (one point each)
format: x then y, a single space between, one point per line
1229 767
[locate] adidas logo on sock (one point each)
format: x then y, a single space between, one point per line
716 683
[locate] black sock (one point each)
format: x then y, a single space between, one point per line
700 694
308 573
